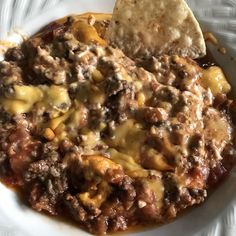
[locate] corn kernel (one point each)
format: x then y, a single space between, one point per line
48 134
141 99
208 36
59 129
222 50
102 126
97 76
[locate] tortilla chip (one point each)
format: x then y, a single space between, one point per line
155 27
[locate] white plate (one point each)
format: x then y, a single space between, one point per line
217 216
14 13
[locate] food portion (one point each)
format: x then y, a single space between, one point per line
110 142
152 28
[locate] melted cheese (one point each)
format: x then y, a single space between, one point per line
86 33
95 201
129 138
90 18
22 100
128 163
56 97
15 107
98 165
155 160
28 94
217 128
51 98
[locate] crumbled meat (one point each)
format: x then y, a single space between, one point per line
10 73
155 115
77 211
147 205
50 68
14 54
171 190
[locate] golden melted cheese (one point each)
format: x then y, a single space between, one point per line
130 166
22 100
154 160
52 98
128 138
98 165
90 199
86 33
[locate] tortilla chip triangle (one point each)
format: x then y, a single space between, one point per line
155 27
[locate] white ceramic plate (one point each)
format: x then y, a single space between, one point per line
14 13
217 216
